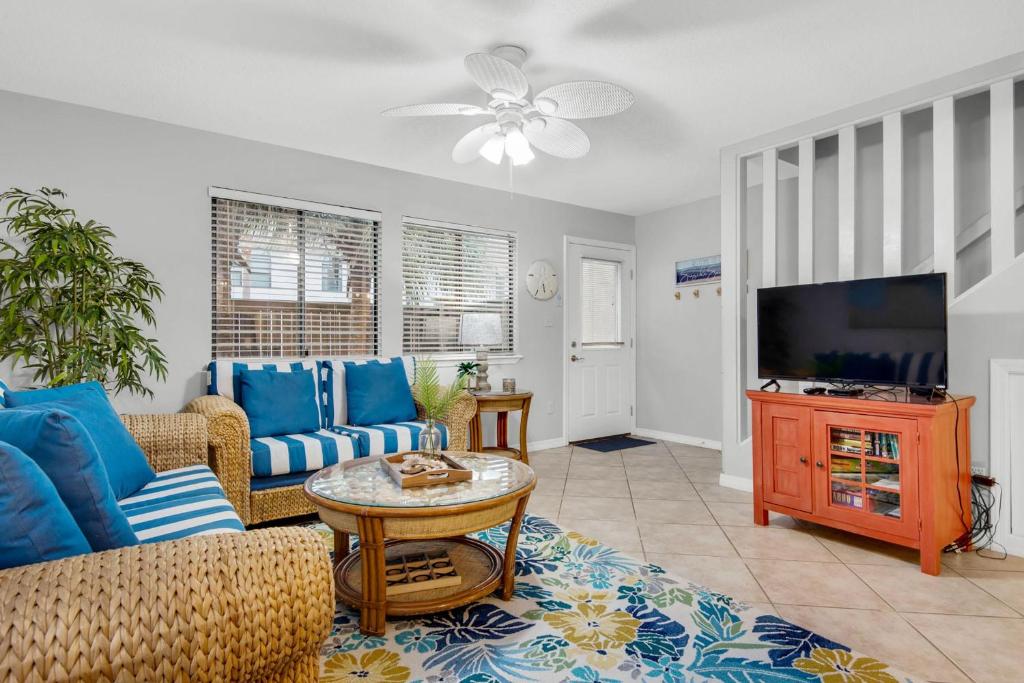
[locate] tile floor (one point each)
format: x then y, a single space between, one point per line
662 502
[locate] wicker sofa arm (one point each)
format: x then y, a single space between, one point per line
228 607
230 453
457 421
170 441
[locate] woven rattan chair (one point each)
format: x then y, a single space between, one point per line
231 458
252 606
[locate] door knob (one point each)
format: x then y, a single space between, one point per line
575 358
820 464
803 459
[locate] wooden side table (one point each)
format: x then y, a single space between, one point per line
501 403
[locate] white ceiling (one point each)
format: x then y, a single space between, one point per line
314 75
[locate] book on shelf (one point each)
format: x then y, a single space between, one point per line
886 509
887 482
883 445
847 498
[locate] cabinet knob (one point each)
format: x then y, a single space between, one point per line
803 459
820 464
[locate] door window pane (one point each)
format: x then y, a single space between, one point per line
600 289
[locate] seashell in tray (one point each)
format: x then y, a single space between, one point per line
422 462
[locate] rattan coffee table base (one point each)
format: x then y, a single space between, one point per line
479 565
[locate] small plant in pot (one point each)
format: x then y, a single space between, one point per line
436 401
468 369
70 310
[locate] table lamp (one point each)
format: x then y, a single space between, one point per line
480 330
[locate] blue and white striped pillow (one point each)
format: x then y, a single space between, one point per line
335 396
225 377
3 391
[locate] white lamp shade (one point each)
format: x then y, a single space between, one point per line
480 329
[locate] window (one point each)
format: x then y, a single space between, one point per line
293 279
600 289
448 270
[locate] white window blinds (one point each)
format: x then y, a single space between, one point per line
600 288
450 270
293 279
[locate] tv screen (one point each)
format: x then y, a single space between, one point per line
886 331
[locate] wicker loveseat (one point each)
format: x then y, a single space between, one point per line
253 606
262 499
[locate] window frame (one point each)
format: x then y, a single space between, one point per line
304 344
509 351
619 268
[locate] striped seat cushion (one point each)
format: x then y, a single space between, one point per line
390 438
179 503
273 455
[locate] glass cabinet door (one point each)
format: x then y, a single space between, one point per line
864 469
859 466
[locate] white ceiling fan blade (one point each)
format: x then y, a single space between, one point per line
439 109
496 76
557 137
583 100
468 148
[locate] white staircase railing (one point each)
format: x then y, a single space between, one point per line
972 233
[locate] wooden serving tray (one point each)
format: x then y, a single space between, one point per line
454 472
419 572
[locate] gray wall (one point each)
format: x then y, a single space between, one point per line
149 182
973 341
679 343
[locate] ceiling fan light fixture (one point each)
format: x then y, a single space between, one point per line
523 158
494 149
518 147
522 120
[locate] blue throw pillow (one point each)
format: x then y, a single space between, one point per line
278 403
63 449
35 524
3 392
378 393
126 464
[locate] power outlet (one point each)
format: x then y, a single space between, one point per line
978 469
550 407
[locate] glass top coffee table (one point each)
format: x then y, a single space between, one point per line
360 497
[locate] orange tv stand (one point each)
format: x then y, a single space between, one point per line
881 468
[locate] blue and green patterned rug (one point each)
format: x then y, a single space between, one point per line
586 613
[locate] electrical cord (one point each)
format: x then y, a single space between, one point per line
980 534
875 390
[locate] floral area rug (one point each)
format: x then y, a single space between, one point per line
585 613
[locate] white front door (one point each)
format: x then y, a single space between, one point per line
599 288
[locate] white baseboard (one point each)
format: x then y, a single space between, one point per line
678 438
556 442
731 481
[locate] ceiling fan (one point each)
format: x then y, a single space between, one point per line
522 122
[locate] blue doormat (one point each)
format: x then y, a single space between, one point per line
613 443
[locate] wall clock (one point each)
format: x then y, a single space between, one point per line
542 280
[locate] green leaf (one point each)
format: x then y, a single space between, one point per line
72 309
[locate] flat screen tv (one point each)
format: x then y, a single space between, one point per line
887 331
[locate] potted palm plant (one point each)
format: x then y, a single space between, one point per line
468 370
70 310
436 401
